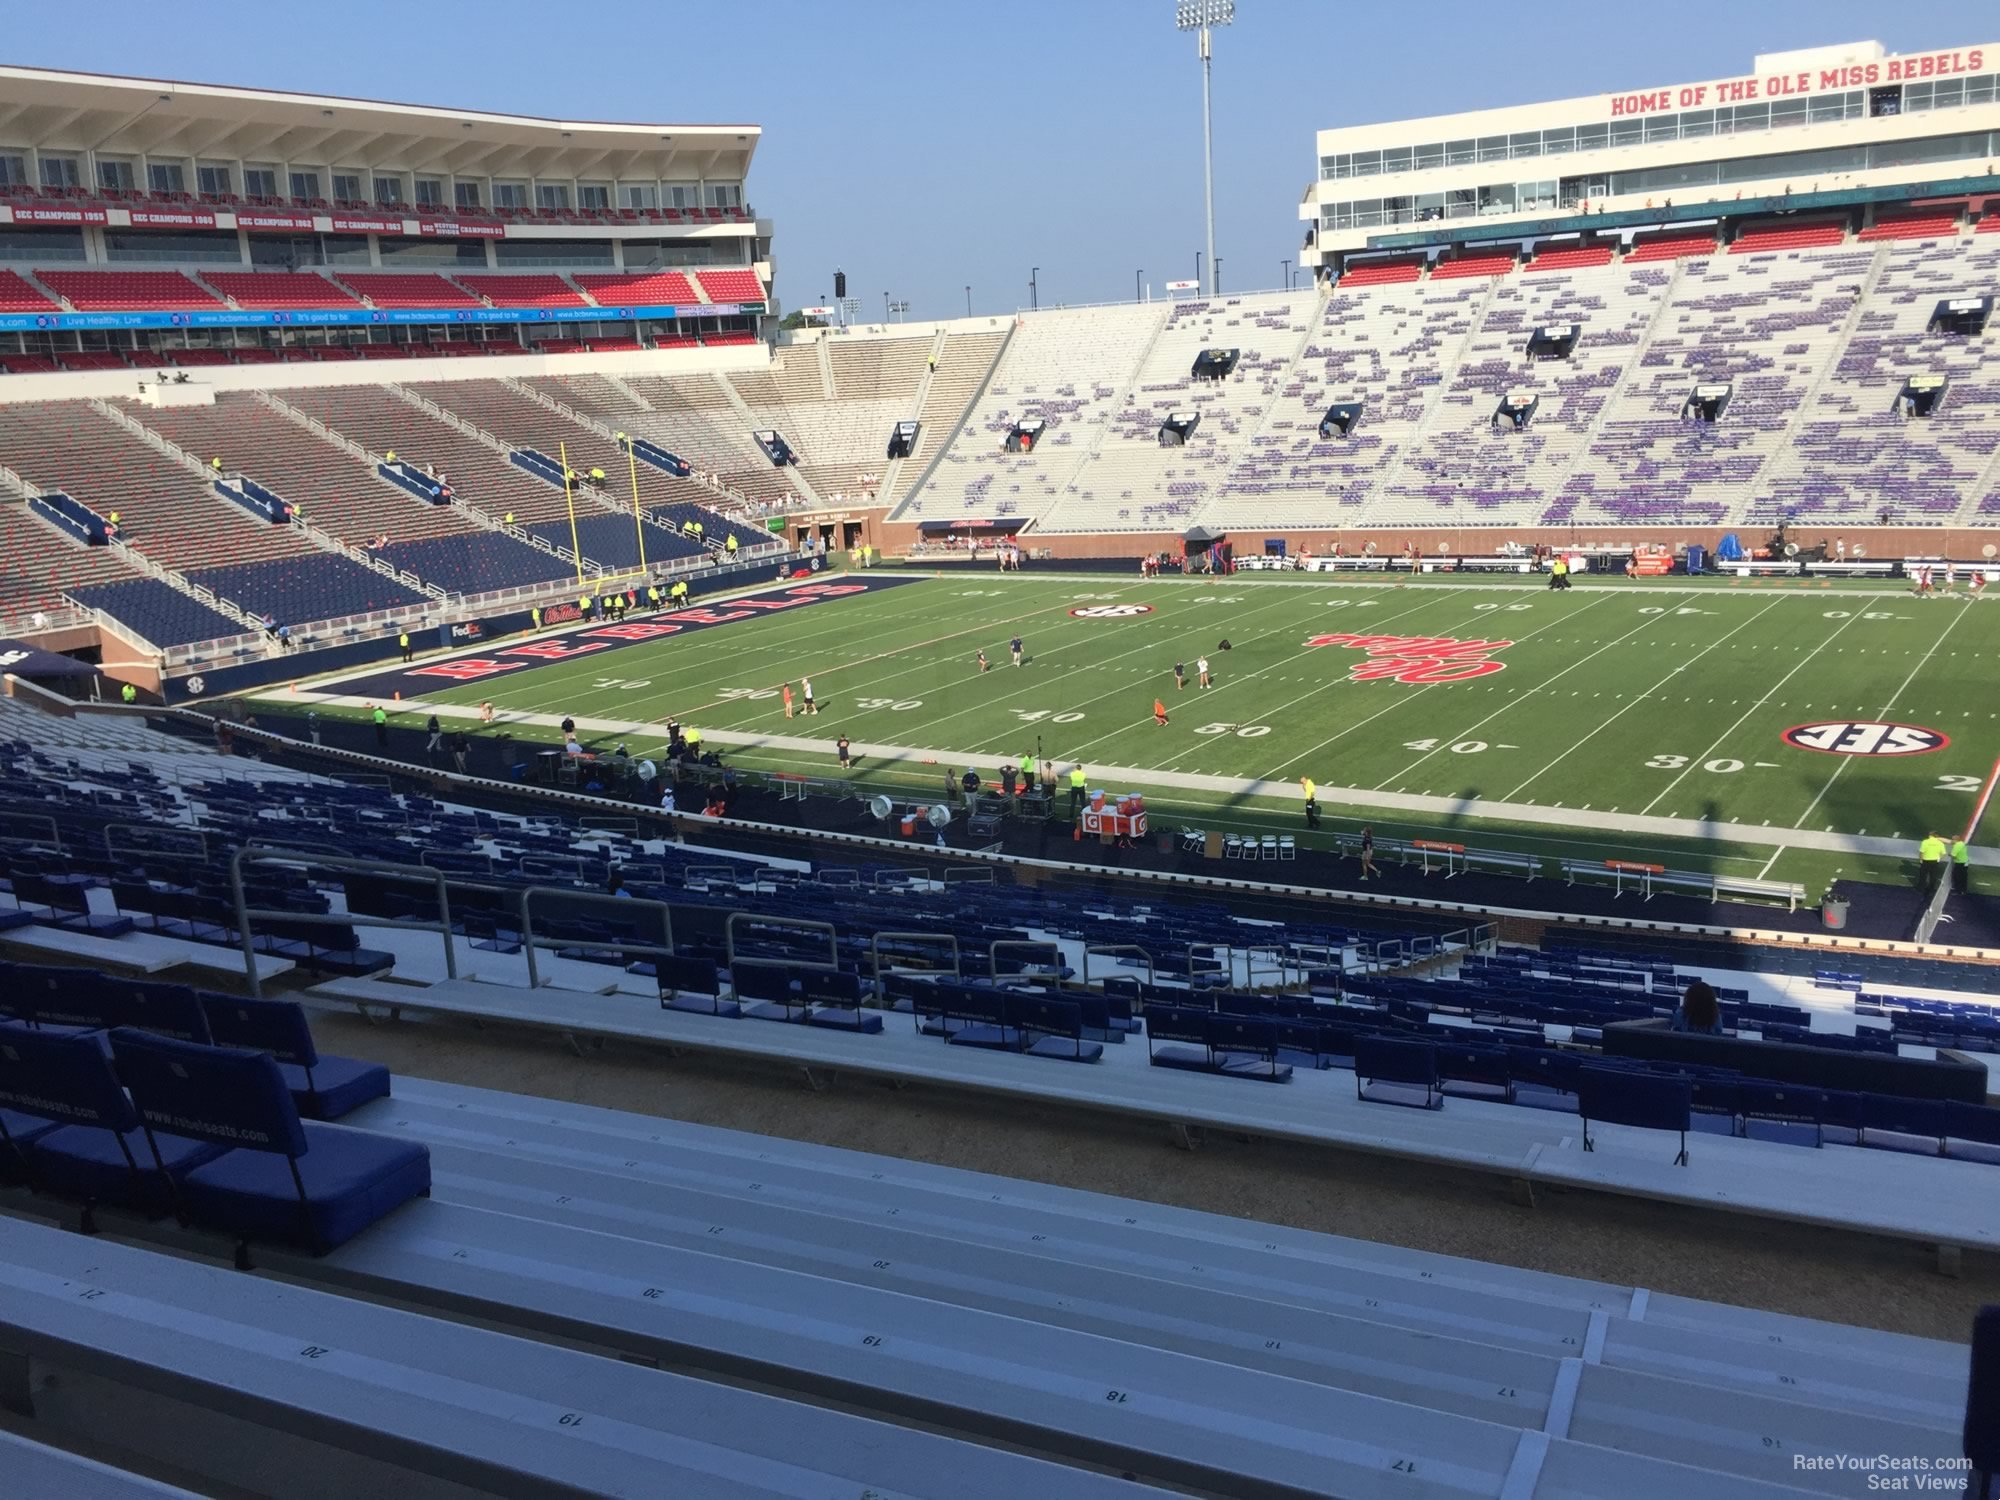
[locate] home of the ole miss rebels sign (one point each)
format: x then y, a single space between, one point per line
1417 658
1799 82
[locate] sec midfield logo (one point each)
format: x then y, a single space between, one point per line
1110 611
1863 737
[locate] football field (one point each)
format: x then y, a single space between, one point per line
1758 728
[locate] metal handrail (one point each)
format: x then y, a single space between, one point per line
875 955
266 854
1209 951
799 924
531 941
7 819
149 840
1039 945
1107 949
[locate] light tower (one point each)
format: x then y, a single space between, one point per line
1198 16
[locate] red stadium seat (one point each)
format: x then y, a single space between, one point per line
731 286
524 291
1919 226
1571 256
267 289
656 289
1671 247
1472 265
427 289
17 296
1382 272
127 291
1769 237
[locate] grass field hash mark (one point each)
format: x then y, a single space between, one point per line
1722 738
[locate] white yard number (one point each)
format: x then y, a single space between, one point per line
899 706
1958 783
623 684
978 593
1505 606
1035 716
1463 747
1241 731
1873 614
1217 599
1722 766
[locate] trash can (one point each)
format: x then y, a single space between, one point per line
1833 912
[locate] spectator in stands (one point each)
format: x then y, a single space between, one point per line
1699 1011
312 724
459 746
216 462
508 520
1368 870
716 808
285 637
434 741
381 718
615 886
667 800
573 747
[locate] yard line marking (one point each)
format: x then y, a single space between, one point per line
1775 855
1521 698
1902 688
1797 667
1641 698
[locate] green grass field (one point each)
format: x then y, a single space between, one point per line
1618 719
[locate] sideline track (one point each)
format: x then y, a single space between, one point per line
1226 786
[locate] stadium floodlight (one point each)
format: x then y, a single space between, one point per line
1198 16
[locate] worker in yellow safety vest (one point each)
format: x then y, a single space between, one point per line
1930 854
1077 783
732 544
129 693
1961 866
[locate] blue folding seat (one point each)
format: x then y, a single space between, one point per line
1474 1071
1974 1131
1185 1035
97 1151
1049 1027
1405 1066
323 1088
293 1181
1785 1111
1631 1096
1917 1125
693 984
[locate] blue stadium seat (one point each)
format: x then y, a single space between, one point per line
323 1088
158 611
17 1133
98 1151
1628 1096
315 586
286 1180
1404 1066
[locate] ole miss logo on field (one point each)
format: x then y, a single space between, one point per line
1865 737
1110 611
1418 658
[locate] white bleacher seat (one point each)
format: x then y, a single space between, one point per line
35 1470
277 1389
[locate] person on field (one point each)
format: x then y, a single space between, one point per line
842 746
1015 647
984 664
1180 677
1307 785
1159 713
1201 672
788 700
1077 789
1961 866
806 692
1930 858
1368 870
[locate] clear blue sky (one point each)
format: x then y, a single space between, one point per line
923 145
